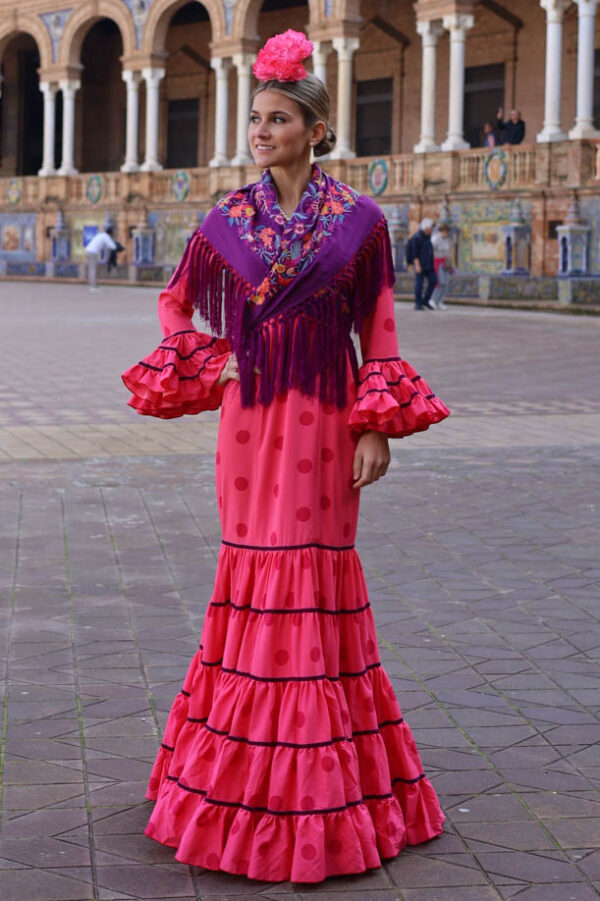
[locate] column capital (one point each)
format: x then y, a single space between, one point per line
430 31
49 88
458 24
152 75
345 47
69 85
220 64
321 51
132 77
243 61
555 9
587 7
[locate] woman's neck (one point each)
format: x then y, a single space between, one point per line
290 183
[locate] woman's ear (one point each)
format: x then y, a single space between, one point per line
318 133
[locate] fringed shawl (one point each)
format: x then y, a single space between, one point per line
287 293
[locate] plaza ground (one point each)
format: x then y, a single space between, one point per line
480 548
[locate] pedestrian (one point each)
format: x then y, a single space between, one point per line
285 756
513 130
112 257
491 138
419 253
102 240
442 261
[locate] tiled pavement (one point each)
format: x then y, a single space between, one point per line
481 553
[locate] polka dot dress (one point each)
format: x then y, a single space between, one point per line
286 755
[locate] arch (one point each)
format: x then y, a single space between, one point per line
348 10
159 17
246 13
79 23
35 28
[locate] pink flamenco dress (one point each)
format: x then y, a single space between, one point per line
285 755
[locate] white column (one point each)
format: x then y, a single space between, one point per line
458 26
552 130
69 89
152 77
49 89
132 80
221 65
430 33
584 122
319 58
344 47
243 64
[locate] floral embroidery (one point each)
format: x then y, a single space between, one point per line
286 246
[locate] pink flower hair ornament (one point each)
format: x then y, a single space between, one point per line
281 57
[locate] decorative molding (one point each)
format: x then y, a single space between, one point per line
55 23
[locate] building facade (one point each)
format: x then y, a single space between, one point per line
136 110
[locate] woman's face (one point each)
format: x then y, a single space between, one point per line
277 133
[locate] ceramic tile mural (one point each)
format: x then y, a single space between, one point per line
17 237
590 214
480 242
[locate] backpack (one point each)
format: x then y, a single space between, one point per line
409 251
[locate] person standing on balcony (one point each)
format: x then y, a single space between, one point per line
285 755
513 130
101 241
419 253
491 137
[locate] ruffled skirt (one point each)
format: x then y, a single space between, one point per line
285 756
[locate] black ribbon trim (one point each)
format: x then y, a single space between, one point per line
166 747
182 378
190 355
319 678
288 547
279 610
408 781
300 745
378 372
383 360
401 406
282 813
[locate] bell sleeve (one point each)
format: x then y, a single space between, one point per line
182 375
391 396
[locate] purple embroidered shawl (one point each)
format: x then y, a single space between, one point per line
286 294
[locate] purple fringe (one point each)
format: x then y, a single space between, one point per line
303 347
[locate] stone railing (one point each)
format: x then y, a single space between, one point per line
402 177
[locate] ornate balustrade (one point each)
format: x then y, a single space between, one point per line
570 164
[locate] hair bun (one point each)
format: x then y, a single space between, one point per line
327 144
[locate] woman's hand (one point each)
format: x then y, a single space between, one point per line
371 459
230 370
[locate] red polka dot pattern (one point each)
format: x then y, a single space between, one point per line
241 530
307 802
218 458
328 763
324 502
303 514
282 657
241 483
315 654
278 442
307 418
305 466
309 852
289 599
243 436
347 529
276 490
371 646
275 802
300 719
327 455
212 861
389 325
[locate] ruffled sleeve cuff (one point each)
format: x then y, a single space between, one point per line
179 377
392 398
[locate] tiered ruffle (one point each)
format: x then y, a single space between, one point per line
394 399
179 377
286 755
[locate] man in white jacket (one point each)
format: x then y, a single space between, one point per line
100 241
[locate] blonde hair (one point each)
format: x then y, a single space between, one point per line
312 97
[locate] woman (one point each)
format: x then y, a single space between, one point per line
442 261
285 755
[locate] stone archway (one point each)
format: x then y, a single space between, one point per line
100 140
79 23
160 15
21 106
246 15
